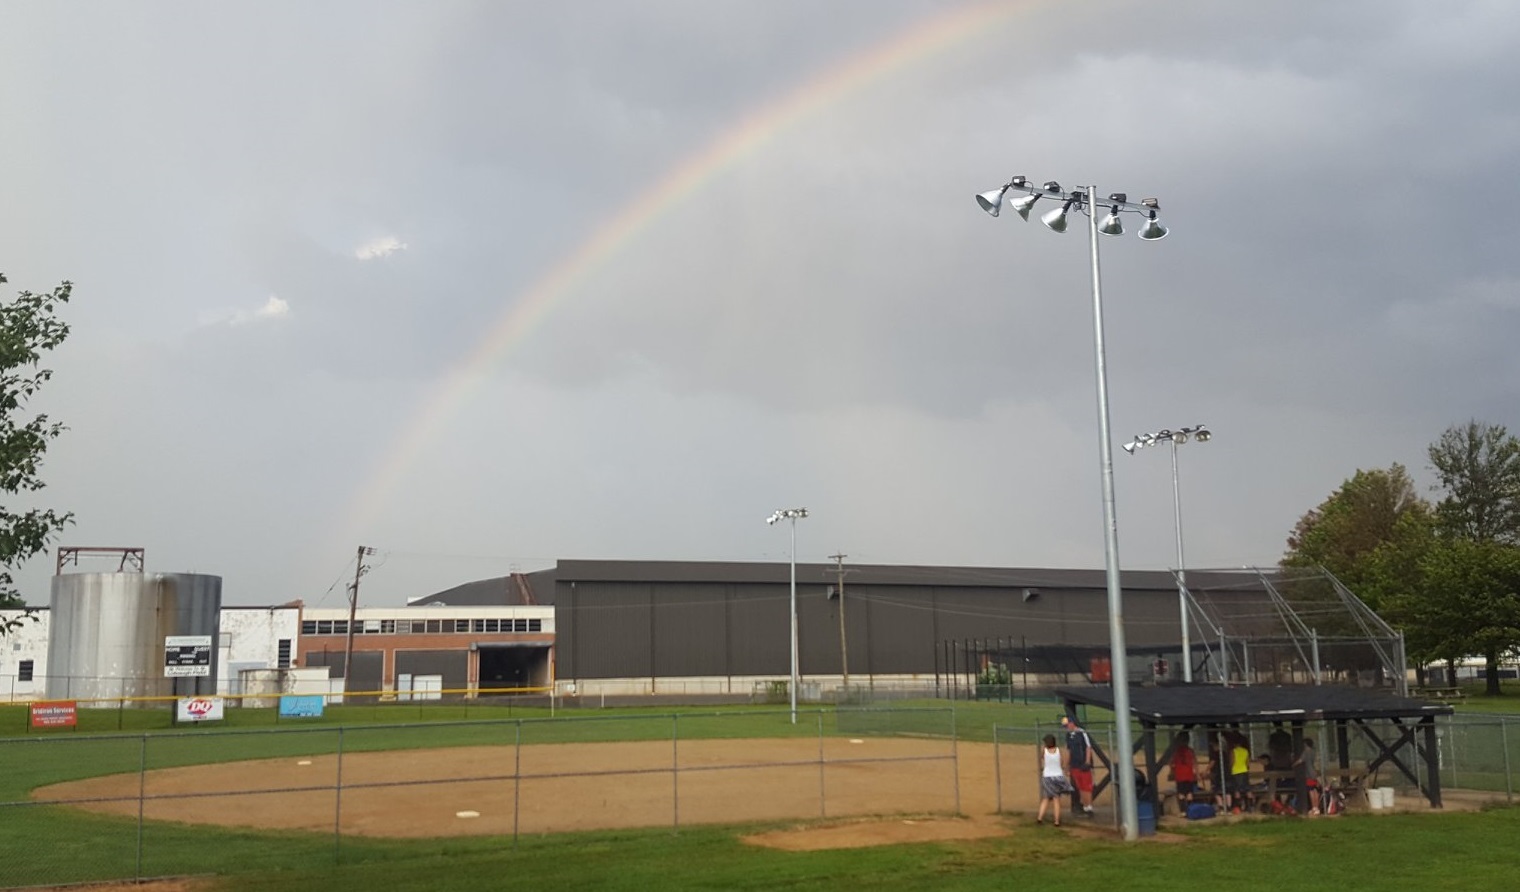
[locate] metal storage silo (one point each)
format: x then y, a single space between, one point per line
106 633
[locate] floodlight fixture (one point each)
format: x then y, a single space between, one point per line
1056 219
1022 205
992 200
1111 224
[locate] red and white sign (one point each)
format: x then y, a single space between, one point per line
58 714
200 709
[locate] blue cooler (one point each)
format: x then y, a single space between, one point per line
1200 810
1147 815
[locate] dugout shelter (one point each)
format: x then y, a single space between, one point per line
1398 732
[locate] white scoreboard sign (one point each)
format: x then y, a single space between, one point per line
186 655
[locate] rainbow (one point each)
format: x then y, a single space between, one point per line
913 45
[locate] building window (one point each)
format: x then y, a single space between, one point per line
535 625
387 627
282 655
418 627
434 626
324 627
493 625
308 627
24 671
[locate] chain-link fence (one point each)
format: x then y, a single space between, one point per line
82 808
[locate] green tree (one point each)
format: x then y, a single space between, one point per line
1465 601
29 327
1479 468
1371 512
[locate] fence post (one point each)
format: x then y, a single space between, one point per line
997 770
516 782
142 792
955 760
338 803
1509 788
823 802
675 771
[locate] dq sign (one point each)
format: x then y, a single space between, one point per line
200 709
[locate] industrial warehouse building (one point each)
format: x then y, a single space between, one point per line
586 627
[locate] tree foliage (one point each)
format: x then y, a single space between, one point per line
29 328
1464 599
1448 576
1351 531
1479 468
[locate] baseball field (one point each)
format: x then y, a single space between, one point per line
881 799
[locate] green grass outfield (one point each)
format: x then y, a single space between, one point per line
41 845
1469 851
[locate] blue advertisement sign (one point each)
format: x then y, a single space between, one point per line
305 706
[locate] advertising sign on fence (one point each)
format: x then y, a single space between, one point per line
199 709
187 655
58 714
303 706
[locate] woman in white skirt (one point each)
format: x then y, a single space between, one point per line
1053 782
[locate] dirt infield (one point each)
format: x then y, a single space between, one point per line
583 786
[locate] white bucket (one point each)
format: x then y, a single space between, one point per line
1387 796
1375 797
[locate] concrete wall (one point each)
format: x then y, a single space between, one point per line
27 642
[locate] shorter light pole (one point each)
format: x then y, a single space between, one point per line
792 514
1176 438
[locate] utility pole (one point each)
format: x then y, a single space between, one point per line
353 609
844 651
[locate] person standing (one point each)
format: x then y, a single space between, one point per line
1079 761
1053 783
1184 771
1238 761
1309 772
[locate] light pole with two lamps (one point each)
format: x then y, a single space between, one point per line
791 514
1085 200
1176 438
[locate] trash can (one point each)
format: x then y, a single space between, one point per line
1146 812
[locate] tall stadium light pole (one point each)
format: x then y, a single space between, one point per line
792 514
1085 200
1176 438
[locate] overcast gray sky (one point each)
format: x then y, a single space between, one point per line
486 285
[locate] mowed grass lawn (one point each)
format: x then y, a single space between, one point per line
1466 851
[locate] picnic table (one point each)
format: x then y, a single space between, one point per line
1443 694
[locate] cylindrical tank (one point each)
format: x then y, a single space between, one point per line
106 633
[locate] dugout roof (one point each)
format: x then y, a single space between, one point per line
1197 704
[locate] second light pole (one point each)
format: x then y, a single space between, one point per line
1176 438
791 514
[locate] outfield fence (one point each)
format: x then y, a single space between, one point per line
83 808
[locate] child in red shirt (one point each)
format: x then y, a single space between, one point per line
1184 771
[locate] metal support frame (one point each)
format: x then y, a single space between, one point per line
132 559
